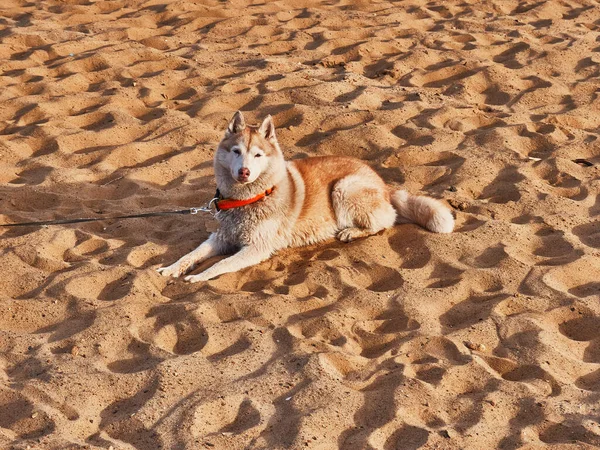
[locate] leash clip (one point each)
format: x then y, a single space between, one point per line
206 208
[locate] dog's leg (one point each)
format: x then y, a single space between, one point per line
246 257
361 206
209 248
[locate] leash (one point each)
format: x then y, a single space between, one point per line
206 208
217 202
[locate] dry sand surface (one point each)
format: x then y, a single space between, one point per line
485 338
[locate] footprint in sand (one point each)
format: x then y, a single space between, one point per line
119 421
141 358
22 418
226 416
584 329
407 437
173 329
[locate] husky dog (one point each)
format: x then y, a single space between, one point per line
266 204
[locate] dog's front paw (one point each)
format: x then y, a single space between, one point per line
174 270
196 278
350 234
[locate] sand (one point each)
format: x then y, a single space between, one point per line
485 338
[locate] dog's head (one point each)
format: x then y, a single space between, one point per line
247 151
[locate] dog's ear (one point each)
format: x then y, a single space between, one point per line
237 124
267 128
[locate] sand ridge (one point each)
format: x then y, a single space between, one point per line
484 338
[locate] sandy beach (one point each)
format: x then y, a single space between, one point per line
486 338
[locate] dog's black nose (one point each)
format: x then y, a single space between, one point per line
244 172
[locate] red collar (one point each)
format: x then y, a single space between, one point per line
230 203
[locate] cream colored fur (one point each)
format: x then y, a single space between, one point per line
314 199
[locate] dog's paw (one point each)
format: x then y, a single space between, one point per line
196 278
349 234
170 271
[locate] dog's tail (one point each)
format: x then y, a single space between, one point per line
425 211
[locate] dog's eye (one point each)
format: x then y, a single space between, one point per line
237 151
258 155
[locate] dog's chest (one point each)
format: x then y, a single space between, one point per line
247 226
